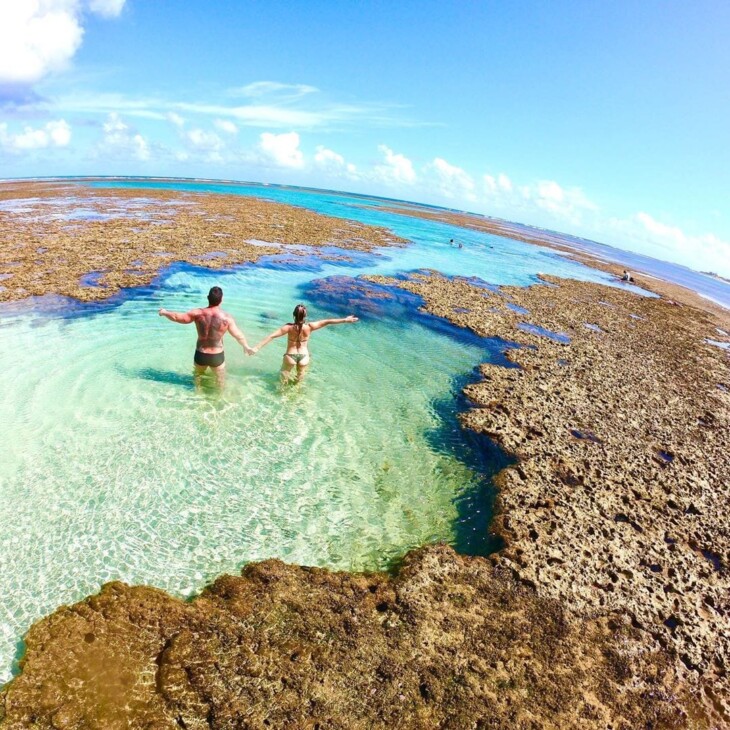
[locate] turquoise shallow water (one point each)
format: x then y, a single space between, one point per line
114 466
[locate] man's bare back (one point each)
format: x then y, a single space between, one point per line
211 323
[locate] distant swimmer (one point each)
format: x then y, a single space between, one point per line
451 242
298 333
212 323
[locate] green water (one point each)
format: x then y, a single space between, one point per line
115 467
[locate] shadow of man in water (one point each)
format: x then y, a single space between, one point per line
161 376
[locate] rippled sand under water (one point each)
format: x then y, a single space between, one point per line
115 467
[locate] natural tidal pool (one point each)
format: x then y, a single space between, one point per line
116 467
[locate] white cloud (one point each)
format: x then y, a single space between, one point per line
642 232
497 188
107 8
39 37
334 163
226 126
281 149
120 139
504 182
328 158
567 203
208 143
176 119
451 181
395 168
60 132
661 231
54 134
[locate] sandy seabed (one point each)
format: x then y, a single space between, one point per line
609 605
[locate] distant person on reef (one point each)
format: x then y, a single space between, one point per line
298 333
212 323
627 277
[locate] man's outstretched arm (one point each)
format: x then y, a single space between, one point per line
279 333
237 334
179 317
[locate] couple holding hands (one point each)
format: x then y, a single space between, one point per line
212 323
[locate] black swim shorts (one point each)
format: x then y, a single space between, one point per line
209 359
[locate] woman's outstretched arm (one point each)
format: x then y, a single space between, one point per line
279 333
326 322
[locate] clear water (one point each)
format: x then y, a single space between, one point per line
116 467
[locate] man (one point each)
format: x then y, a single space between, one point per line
212 323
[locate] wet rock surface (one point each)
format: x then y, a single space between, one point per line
608 607
617 502
87 243
450 641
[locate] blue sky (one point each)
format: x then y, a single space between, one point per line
608 120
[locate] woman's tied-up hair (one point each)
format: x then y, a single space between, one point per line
300 314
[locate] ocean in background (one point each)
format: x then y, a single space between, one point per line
116 467
333 203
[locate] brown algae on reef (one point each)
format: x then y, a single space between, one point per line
55 235
607 607
584 520
449 641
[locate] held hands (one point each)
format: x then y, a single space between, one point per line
250 350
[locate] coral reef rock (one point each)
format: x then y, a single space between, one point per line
450 642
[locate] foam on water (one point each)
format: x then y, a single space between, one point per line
116 467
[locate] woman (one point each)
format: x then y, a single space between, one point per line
298 333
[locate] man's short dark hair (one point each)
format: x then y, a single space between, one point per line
215 296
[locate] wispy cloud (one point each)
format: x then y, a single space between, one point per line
107 8
259 89
262 115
